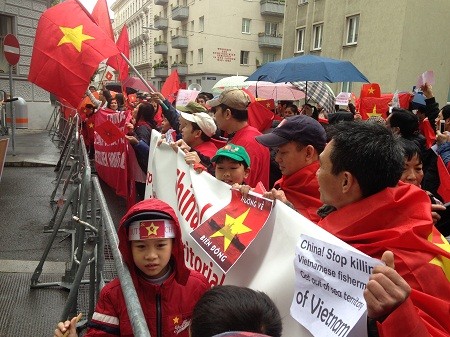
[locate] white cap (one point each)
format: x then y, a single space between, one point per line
203 120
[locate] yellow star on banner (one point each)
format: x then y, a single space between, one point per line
371 90
440 260
176 320
233 227
152 229
374 112
268 105
74 36
91 125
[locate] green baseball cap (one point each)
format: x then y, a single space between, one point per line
234 152
192 107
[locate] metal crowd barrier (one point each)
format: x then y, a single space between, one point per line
90 220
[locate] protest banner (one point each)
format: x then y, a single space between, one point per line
111 149
184 96
323 281
267 264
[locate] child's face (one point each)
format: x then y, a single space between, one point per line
165 125
231 171
412 171
152 256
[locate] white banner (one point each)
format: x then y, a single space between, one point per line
268 263
185 96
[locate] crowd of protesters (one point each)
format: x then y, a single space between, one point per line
372 183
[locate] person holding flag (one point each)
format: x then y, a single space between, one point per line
358 176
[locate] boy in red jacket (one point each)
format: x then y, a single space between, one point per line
151 245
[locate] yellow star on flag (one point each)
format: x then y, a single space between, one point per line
371 90
374 112
440 260
233 227
152 229
74 36
268 105
176 320
91 125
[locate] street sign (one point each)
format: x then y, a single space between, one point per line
11 49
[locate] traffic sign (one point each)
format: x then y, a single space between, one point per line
11 49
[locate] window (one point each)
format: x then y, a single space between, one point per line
271 28
317 37
244 57
246 26
200 55
267 57
302 2
300 40
352 29
191 56
201 24
5 28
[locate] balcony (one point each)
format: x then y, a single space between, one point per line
160 47
161 72
180 13
269 41
160 22
161 2
181 68
179 42
272 7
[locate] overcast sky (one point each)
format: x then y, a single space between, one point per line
89 4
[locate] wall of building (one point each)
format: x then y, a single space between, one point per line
393 47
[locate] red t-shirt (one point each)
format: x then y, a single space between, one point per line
207 149
259 155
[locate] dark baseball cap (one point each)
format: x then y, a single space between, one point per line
300 128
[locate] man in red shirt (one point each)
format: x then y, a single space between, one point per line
230 112
299 141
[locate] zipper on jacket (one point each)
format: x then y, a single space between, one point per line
158 315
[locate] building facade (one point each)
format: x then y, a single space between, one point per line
391 42
205 40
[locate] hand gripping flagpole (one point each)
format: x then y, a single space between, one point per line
141 78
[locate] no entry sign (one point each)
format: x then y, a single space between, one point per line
11 49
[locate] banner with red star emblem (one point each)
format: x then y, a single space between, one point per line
111 150
227 234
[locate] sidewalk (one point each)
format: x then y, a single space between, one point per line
25 189
31 148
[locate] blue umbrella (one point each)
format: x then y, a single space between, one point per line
308 68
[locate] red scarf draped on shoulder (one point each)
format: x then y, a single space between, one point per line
302 189
399 219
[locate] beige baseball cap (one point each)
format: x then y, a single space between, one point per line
233 98
203 120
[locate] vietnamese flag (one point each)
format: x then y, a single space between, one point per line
259 116
117 61
109 132
444 178
228 233
100 13
67 50
370 90
374 106
171 86
398 219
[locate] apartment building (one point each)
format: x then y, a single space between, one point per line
391 42
205 40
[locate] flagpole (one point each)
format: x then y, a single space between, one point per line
141 78
103 75
137 73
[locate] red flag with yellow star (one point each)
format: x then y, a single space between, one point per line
67 51
370 90
228 233
399 219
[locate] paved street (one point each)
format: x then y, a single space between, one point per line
25 209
